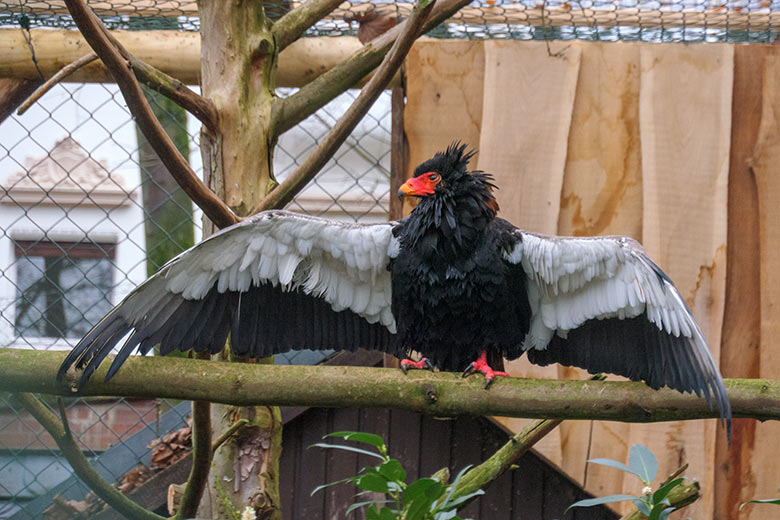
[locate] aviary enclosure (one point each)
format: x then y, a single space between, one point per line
654 120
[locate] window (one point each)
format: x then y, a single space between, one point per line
63 288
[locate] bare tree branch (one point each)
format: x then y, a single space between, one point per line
70 450
284 193
201 460
441 394
290 111
95 34
61 74
292 25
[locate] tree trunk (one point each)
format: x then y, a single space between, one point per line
239 62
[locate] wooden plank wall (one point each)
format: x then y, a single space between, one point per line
677 146
423 444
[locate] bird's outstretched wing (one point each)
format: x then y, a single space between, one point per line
276 281
603 305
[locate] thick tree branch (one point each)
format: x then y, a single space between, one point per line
13 92
177 165
291 26
482 475
290 111
70 450
284 193
441 394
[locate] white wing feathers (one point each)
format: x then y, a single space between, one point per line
572 280
344 264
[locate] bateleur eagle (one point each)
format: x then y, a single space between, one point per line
452 281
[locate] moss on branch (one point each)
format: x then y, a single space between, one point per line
442 394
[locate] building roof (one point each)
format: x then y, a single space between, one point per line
67 176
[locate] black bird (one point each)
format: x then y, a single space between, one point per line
451 281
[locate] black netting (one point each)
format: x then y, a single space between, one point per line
608 20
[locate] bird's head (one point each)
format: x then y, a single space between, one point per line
446 174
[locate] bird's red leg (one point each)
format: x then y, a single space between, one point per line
481 366
423 364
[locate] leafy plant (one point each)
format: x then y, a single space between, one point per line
423 499
775 501
643 464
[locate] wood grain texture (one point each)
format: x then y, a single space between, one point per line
685 122
444 80
528 98
740 343
764 163
601 195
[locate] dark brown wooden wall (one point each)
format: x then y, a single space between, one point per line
534 491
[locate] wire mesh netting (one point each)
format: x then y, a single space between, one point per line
86 214
608 20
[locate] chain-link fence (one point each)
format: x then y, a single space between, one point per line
607 20
83 216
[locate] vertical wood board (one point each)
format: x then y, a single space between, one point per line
766 167
601 195
740 343
528 97
444 80
685 121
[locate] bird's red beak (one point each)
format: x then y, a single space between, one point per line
418 186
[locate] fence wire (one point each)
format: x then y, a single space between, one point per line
81 205
606 20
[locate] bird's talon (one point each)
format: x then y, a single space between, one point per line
422 364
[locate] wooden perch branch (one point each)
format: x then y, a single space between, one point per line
441 394
285 192
177 165
63 73
81 467
292 25
290 111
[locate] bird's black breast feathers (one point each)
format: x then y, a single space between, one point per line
454 297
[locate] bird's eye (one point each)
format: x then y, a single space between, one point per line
433 177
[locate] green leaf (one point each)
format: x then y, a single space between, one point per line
460 500
372 513
346 448
643 463
387 514
642 506
590 502
358 505
418 489
366 438
612 464
323 486
660 494
422 4
372 482
666 512
392 470
775 501
454 484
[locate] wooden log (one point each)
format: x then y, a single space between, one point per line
174 52
516 14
